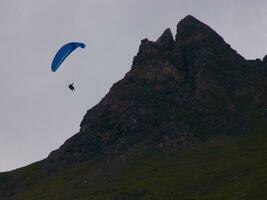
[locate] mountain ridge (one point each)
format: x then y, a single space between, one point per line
193 64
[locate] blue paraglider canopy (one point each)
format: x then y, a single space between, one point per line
63 53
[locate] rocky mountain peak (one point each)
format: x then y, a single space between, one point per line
176 94
194 34
147 52
151 52
192 27
166 40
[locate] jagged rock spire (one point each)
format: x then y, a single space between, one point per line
147 53
150 51
194 30
166 41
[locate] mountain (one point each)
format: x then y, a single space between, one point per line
188 121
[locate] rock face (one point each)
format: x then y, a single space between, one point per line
177 93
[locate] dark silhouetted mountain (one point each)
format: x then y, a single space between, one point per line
179 94
176 94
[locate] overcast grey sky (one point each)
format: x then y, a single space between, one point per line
37 111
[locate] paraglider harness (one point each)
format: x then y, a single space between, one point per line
71 87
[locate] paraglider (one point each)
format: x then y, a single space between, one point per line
71 87
62 54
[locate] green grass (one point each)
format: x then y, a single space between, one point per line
223 168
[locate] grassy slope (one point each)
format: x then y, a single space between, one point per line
223 168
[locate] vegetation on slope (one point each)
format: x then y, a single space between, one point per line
223 168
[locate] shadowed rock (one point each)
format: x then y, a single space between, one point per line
171 97
166 41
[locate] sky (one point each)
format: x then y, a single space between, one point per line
37 110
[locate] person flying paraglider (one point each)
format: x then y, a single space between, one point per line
62 54
71 87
